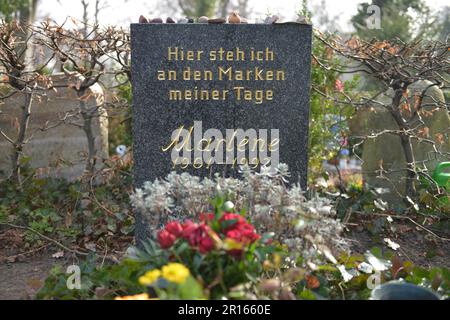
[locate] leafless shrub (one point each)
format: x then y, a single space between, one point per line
397 66
19 78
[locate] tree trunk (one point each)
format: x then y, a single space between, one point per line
411 165
27 16
405 137
28 13
88 115
20 142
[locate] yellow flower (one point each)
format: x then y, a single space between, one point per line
176 273
143 296
277 260
150 277
231 244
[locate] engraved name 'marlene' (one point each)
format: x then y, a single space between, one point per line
193 147
222 73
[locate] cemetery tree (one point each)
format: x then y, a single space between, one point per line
441 25
22 10
84 59
17 78
398 66
396 19
325 144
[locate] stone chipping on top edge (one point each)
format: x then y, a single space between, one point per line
233 18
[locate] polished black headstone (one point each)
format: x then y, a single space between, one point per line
263 58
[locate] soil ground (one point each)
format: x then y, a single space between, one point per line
21 280
21 276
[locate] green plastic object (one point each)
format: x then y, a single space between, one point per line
441 177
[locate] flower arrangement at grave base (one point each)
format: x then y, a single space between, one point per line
229 253
222 251
302 229
173 282
271 203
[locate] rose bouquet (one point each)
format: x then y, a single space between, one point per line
231 233
222 250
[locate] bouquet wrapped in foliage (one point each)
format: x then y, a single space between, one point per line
271 204
222 250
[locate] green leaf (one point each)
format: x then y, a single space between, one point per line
228 223
377 252
243 212
307 295
191 290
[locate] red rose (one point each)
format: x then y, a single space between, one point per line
206 245
188 229
175 228
248 233
243 233
199 238
166 239
235 235
193 238
233 219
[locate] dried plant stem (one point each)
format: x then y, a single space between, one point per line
59 244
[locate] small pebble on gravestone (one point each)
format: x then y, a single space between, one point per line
183 20
170 20
217 21
203 19
156 20
143 19
190 20
272 19
234 18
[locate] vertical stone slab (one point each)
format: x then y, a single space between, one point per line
156 117
59 152
270 63
386 149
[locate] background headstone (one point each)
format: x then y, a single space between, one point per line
387 148
61 151
156 117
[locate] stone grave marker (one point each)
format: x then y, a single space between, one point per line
59 152
209 98
386 149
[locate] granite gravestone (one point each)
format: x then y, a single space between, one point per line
209 98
